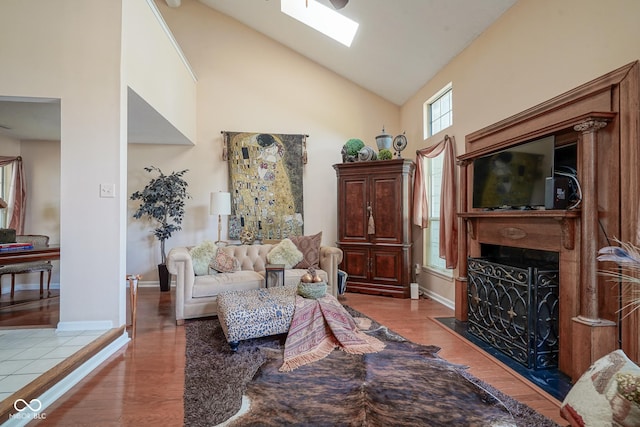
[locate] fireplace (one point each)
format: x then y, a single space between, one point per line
513 304
601 118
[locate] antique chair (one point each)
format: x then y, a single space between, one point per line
29 267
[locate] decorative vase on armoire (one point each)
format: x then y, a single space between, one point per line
374 225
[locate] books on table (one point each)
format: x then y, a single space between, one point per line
15 246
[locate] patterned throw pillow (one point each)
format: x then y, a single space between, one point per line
310 248
604 395
223 262
285 253
201 256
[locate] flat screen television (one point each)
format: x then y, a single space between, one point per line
514 178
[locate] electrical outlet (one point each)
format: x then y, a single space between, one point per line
417 268
107 190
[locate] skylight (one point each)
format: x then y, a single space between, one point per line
321 18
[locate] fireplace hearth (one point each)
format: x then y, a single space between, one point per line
513 306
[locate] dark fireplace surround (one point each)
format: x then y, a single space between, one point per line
513 300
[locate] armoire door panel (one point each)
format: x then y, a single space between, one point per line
386 196
386 266
354 209
355 261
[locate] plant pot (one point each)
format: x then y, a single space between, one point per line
163 274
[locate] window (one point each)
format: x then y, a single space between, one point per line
432 232
438 111
321 18
438 115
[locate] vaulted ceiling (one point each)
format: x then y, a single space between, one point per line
400 45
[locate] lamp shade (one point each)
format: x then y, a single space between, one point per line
220 203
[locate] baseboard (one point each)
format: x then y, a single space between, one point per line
152 284
438 298
31 287
96 325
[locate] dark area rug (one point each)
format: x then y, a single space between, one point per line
406 384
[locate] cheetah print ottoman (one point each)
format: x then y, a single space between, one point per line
255 313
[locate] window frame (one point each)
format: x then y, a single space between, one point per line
428 107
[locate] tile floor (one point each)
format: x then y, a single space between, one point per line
25 354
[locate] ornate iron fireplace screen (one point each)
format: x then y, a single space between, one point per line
515 310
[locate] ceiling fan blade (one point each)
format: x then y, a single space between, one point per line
339 4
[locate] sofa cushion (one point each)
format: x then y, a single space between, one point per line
212 285
201 256
223 262
604 395
310 248
285 253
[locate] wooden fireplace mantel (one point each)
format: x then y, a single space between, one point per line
601 118
530 228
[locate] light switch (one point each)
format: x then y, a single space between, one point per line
107 190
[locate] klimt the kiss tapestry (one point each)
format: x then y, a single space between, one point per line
265 181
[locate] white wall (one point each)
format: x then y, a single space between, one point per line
538 49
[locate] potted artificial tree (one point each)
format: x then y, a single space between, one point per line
162 200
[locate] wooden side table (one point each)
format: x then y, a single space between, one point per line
274 275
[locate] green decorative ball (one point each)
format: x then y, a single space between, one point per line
385 154
353 146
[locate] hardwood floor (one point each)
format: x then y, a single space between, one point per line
142 384
27 309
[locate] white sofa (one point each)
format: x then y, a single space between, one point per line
196 296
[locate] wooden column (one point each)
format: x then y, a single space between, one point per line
461 308
593 337
589 223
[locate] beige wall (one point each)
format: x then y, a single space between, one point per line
155 69
41 162
247 82
538 49
71 50
10 146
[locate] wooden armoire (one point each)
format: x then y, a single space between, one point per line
374 225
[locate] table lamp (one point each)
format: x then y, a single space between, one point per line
220 204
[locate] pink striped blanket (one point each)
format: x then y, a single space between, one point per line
318 327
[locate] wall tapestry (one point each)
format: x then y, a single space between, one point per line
265 181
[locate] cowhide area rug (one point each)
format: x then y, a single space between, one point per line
406 384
